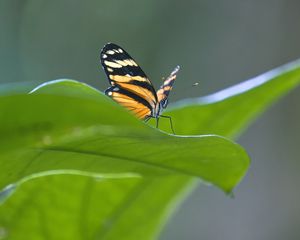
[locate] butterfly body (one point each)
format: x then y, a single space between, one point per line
130 86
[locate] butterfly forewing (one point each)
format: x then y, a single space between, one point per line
122 70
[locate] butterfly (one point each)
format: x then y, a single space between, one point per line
130 86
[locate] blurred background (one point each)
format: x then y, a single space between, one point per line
217 44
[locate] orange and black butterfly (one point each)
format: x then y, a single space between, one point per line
130 86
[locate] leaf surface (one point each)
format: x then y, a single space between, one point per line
142 212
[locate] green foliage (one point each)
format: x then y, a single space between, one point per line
88 132
106 174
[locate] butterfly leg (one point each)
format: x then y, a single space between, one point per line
170 119
157 120
147 119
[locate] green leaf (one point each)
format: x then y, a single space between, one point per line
87 208
141 214
48 132
68 127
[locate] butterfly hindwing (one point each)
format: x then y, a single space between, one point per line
130 85
164 90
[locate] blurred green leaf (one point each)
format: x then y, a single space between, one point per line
231 110
78 207
146 208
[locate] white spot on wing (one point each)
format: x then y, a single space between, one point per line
126 62
104 56
133 63
120 50
112 64
110 52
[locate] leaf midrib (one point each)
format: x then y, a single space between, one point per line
122 158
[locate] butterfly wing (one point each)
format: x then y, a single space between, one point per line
130 86
164 90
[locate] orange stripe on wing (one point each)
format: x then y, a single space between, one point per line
137 108
140 91
124 78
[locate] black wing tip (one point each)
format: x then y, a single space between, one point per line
109 46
